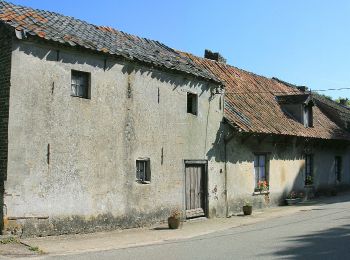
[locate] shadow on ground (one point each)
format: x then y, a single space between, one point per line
329 244
321 200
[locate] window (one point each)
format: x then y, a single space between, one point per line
143 170
192 100
308 120
261 180
298 107
338 168
80 84
308 169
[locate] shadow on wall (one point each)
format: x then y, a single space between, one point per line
286 158
55 54
107 62
166 77
329 244
217 151
2 206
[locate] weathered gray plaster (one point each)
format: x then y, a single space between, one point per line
95 142
90 183
286 168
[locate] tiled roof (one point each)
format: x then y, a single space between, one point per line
68 30
250 100
251 104
339 113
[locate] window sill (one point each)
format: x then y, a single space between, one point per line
81 97
261 192
143 182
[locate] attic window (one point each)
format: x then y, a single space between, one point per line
298 107
192 103
308 116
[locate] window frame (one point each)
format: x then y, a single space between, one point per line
144 176
257 169
80 80
309 169
192 103
338 168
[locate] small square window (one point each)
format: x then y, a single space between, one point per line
80 84
143 170
192 103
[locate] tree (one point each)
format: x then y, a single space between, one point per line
343 101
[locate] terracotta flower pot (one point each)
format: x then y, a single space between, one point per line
247 210
173 223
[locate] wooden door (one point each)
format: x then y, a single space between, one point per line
195 193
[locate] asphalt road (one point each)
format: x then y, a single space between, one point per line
321 233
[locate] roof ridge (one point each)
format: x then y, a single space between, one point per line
228 65
60 28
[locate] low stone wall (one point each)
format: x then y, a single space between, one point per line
49 226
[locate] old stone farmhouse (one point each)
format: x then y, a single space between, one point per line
100 130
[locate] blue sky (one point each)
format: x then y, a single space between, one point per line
302 42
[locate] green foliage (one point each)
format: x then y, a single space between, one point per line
9 240
346 100
36 249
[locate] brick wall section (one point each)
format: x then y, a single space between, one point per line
5 73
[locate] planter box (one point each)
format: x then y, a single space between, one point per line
293 201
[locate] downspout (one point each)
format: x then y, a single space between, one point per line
226 196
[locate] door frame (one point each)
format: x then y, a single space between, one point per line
203 163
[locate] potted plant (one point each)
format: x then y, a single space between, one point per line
174 219
262 186
247 208
308 180
293 198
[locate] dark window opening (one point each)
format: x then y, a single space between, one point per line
338 168
143 170
192 101
80 84
261 174
308 117
309 169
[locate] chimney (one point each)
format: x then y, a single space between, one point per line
208 54
343 101
302 88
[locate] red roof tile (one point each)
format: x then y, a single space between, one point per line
251 104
